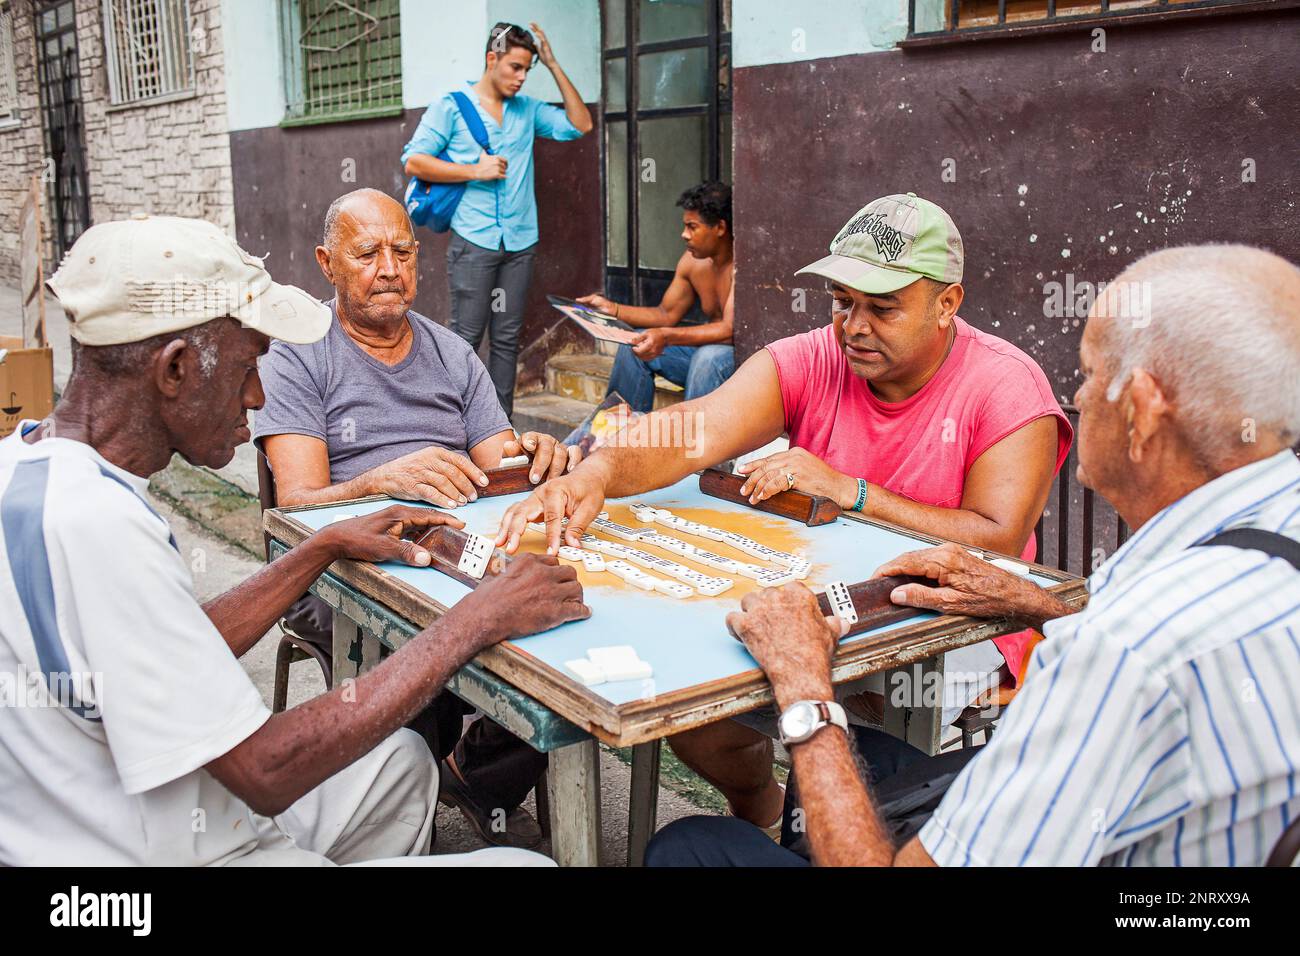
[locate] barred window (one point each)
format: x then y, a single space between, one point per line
342 60
8 69
150 46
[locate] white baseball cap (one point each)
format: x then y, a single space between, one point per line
128 280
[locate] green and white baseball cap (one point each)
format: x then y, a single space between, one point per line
890 243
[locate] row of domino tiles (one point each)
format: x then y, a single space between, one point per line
792 567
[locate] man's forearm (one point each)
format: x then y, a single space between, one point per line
644 316
298 749
655 451
574 108
951 524
843 826
247 611
710 333
365 484
434 170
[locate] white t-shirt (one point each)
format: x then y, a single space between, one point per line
107 768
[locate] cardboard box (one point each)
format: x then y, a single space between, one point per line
26 383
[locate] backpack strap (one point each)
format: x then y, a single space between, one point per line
1257 539
473 121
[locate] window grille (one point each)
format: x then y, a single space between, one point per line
8 69
149 46
342 60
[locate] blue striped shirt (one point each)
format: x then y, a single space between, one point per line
1160 726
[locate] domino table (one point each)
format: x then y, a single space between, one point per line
700 673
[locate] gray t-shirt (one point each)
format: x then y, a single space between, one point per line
369 413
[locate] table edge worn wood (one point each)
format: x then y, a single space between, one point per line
640 721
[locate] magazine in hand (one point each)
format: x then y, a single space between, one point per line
594 322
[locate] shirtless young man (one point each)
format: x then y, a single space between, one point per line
697 356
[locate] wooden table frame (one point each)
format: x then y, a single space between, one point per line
376 612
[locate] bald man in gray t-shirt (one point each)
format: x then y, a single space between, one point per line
390 403
400 429
369 413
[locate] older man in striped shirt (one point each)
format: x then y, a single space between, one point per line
1160 725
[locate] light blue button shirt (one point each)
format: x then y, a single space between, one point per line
501 212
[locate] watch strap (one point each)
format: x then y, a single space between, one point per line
831 713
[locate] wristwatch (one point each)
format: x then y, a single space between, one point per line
804 718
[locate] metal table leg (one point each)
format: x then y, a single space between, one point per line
573 790
643 805
920 720
355 651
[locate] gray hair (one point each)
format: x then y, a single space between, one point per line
331 232
1219 327
130 358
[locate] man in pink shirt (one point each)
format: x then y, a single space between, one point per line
898 409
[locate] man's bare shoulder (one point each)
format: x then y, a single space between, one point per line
700 273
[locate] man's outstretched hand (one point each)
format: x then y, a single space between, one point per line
578 496
379 536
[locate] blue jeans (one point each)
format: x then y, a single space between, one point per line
699 369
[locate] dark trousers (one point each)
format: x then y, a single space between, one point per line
488 288
498 767
887 764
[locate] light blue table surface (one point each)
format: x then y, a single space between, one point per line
685 642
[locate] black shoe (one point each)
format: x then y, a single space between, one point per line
520 830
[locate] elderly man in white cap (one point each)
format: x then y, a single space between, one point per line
142 740
896 408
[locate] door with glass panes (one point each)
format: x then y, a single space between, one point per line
667 110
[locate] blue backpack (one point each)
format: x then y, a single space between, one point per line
433 204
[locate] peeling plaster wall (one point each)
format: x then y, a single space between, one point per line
1068 163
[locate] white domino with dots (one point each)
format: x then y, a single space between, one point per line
570 553
618 530
673 589
837 592
475 555
593 562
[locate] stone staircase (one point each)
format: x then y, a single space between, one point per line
575 385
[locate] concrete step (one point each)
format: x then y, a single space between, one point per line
585 377
549 413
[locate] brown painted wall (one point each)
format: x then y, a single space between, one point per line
285 180
1120 153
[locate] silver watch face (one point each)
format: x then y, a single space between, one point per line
799 720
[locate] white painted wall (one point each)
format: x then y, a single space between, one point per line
573 27
254 80
778 31
442 46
